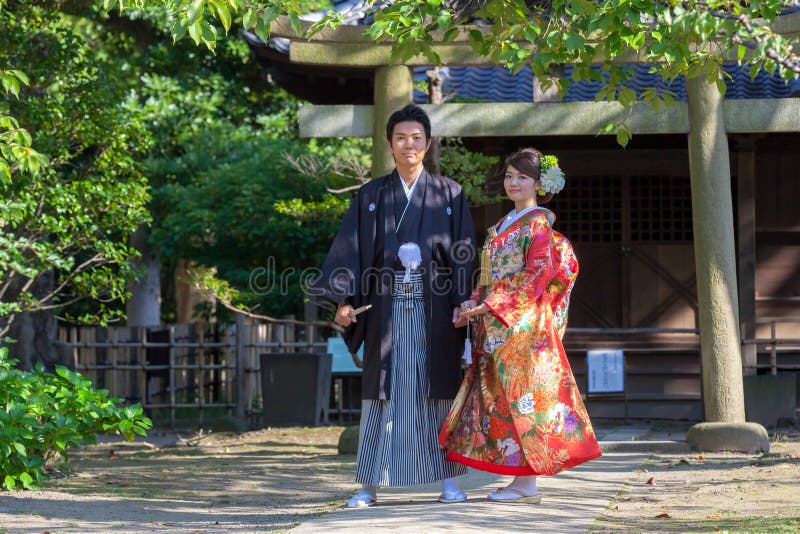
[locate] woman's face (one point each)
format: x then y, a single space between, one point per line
519 187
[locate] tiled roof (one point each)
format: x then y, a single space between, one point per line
497 84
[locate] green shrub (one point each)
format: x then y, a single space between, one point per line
42 415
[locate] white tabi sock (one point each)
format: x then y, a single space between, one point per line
450 485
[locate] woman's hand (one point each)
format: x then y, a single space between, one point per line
344 315
459 321
474 311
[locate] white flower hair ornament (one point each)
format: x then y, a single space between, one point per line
551 176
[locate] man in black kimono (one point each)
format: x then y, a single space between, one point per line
412 347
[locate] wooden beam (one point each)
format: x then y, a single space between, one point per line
349 45
335 121
787 25
568 118
370 54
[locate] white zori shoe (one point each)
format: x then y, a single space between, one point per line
362 499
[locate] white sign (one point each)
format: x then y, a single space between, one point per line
606 371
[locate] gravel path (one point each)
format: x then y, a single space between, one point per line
262 481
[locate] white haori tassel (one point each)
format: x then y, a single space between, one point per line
410 257
467 357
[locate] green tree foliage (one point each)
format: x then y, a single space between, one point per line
243 210
66 219
224 195
112 98
44 415
473 170
677 37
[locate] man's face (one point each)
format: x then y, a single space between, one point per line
409 143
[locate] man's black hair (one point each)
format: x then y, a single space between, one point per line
410 113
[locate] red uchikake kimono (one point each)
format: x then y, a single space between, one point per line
519 411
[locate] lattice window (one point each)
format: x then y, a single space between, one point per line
589 209
661 208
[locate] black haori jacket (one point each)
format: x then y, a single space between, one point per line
360 268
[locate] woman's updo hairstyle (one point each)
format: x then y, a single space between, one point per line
528 162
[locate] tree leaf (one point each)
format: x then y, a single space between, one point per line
20 448
224 17
27 480
294 20
249 19
623 136
450 34
573 41
475 38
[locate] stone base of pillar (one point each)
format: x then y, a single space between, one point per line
348 440
737 437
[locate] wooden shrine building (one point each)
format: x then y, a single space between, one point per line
651 225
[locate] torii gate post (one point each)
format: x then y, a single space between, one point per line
393 89
715 266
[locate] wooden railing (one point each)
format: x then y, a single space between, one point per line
182 366
175 367
778 345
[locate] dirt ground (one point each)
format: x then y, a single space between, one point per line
260 481
711 493
272 480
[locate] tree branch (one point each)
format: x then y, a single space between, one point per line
790 63
316 168
227 304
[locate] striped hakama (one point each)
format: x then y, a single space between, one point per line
398 438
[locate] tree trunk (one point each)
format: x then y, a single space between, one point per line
144 306
35 334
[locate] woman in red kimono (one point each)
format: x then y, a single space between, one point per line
518 411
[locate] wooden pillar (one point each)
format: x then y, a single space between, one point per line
625 271
186 296
433 156
540 94
393 90
715 253
746 210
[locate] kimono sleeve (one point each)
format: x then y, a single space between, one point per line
341 271
510 297
477 294
463 251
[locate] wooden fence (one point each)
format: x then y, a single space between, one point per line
174 367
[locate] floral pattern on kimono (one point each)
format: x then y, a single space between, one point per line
519 411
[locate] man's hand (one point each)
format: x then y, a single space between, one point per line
459 320
344 315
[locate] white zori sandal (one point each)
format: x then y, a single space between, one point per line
449 497
361 500
521 496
